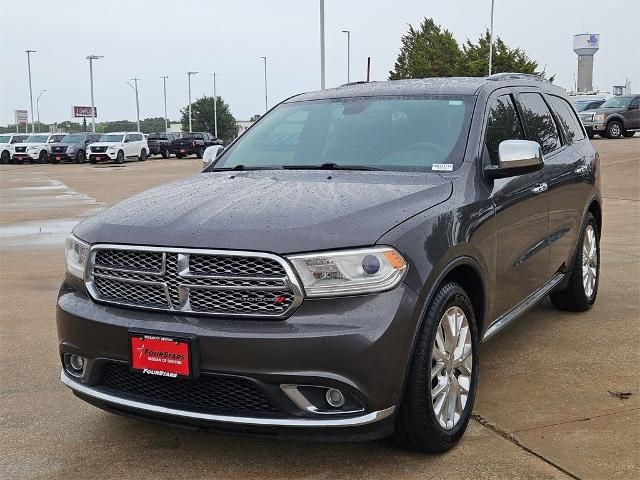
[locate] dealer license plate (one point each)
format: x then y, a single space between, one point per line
160 355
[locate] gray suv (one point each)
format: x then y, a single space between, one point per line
618 116
334 271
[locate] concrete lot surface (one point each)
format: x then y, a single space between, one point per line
543 411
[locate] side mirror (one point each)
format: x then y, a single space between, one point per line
633 107
210 154
516 157
127 140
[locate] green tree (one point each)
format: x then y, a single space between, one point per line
202 118
505 59
428 51
255 118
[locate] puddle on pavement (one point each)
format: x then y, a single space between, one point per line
37 232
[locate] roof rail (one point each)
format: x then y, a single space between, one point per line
516 76
359 82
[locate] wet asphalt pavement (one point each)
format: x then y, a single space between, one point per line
546 408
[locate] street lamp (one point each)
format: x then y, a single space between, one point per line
29 52
38 108
135 88
164 85
266 101
91 58
189 82
215 107
491 41
322 63
348 32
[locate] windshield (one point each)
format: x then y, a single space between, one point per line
55 138
617 102
191 135
73 138
5 138
37 139
111 138
385 133
581 105
157 136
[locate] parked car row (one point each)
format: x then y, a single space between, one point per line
614 118
94 147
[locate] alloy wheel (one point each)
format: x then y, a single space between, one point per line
589 261
451 367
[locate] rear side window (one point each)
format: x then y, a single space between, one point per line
567 118
503 123
541 127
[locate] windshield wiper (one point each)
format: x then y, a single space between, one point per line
329 166
240 168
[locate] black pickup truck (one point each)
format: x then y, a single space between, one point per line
194 142
160 143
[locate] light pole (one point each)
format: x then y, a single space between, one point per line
491 41
348 32
91 58
135 87
189 82
38 108
322 65
29 52
266 101
164 86
215 107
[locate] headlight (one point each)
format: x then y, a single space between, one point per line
350 272
71 148
598 117
76 254
111 148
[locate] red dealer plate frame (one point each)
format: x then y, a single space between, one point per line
161 355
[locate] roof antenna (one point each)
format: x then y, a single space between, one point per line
368 69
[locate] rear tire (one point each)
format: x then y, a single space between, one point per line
582 289
200 152
165 153
614 129
444 365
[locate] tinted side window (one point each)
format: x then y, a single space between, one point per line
568 119
503 123
635 102
541 127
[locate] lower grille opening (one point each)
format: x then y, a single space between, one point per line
214 394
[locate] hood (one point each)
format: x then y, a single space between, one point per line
104 144
606 111
31 145
274 211
66 144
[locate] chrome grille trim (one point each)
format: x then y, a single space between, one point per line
178 281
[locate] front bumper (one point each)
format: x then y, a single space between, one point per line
63 157
359 345
594 126
102 156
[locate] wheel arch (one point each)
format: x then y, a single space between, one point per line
596 209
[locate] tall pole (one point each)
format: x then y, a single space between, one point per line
266 97
33 125
491 41
189 82
135 87
322 63
164 85
38 108
348 32
91 58
215 107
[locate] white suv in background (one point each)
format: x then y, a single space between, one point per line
7 141
35 148
118 146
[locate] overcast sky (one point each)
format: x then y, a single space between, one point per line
149 38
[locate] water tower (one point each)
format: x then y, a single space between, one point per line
586 45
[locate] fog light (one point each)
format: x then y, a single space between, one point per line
76 362
75 365
335 398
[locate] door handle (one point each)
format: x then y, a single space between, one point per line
542 187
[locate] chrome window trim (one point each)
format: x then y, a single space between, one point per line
291 281
270 422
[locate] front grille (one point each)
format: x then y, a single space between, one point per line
98 149
216 394
193 281
21 149
58 149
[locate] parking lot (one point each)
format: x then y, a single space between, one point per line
552 397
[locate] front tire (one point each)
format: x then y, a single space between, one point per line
200 152
443 376
43 157
165 153
614 129
120 157
81 157
5 157
582 290
143 155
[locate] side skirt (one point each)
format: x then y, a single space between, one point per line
522 307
